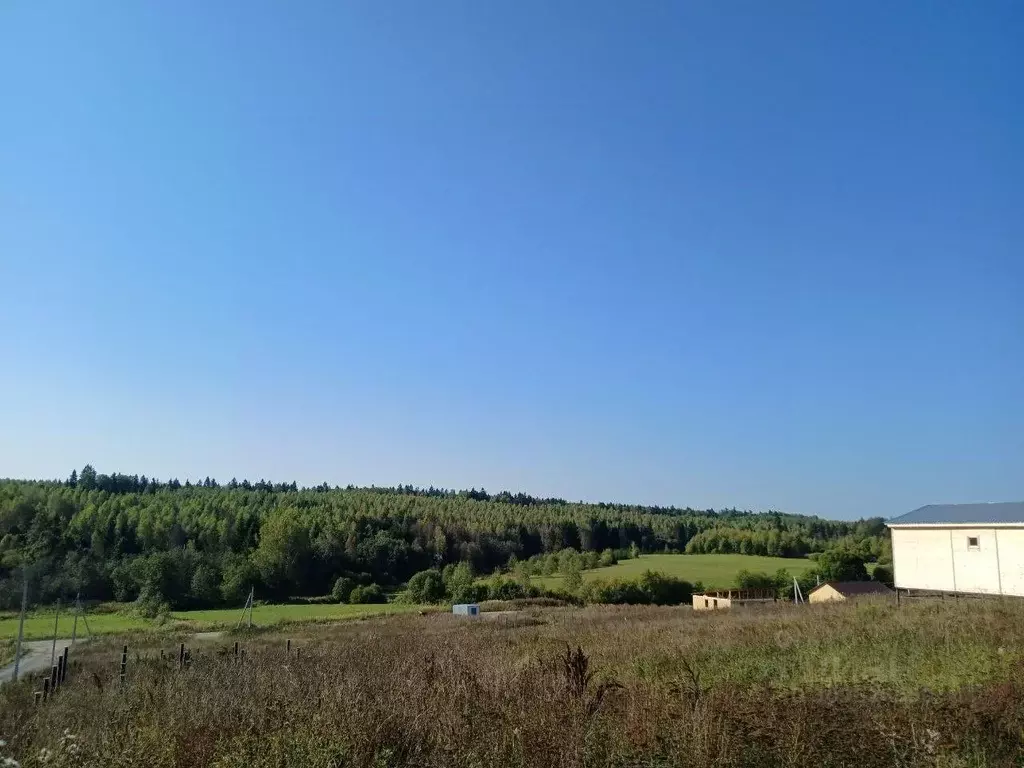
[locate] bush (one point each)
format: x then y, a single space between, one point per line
151 605
883 574
614 593
754 580
343 587
427 587
470 593
842 565
367 595
665 590
505 589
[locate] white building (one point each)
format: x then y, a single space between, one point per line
972 548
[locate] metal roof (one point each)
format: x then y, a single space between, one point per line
969 514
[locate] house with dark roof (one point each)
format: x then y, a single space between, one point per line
968 548
845 590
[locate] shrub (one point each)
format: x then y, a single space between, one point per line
367 595
754 580
614 593
842 565
427 587
343 588
470 593
665 590
883 574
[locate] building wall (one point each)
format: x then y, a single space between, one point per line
702 603
1011 560
824 594
943 559
922 559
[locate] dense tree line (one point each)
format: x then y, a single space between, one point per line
129 537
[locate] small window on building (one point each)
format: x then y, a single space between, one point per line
973 542
706 602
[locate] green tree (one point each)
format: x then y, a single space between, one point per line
283 555
427 587
370 593
883 574
342 590
573 577
665 590
842 565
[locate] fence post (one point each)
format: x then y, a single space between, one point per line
181 656
289 647
124 664
53 679
236 651
65 654
46 688
60 670
56 618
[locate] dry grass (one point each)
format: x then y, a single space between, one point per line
931 684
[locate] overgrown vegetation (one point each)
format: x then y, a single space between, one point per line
126 538
928 684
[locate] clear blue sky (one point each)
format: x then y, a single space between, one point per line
768 255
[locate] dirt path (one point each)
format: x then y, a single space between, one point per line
35 656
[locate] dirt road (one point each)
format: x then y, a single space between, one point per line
35 659
35 656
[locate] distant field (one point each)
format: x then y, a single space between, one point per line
715 571
39 624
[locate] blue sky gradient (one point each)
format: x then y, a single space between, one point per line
762 255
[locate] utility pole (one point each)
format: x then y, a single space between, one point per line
21 625
74 627
53 650
247 609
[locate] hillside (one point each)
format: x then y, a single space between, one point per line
124 537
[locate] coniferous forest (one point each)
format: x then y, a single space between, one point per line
122 537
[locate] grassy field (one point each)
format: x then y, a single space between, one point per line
865 684
715 571
112 621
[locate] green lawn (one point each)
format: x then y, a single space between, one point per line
39 624
715 571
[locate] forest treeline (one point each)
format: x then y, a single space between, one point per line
129 537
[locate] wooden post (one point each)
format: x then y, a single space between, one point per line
181 656
60 670
56 618
289 646
38 696
241 658
124 664
298 653
53 679
236 651
65 677
74 627
46 688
